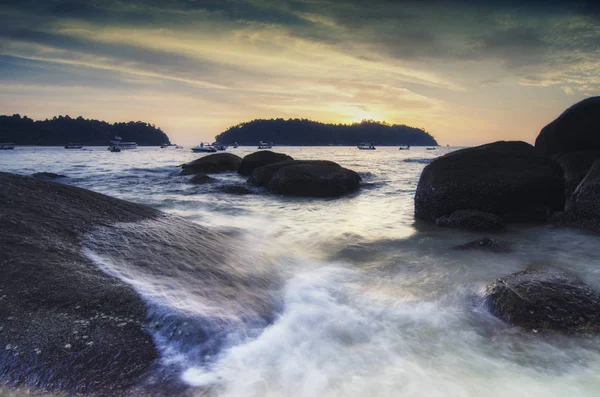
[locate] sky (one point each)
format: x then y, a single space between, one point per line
468 72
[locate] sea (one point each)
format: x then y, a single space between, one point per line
363 299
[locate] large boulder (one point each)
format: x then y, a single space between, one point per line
261 176
508 179
575 166
314 179
576 129
544 299
586 199
472 220
213 163
259 159
63 322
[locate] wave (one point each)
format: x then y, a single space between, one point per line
419 161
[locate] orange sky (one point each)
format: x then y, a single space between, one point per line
466 73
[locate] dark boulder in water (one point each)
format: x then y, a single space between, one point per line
585 209
235 189
472 220
261 176
48 175
259 159
213 163
65 324
508 179
576 129
200 179
575 166
313 179
544 299
485 244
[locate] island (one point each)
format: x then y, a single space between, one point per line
61 130
303 132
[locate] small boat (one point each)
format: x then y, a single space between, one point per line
264 145
366 146
123 145
235 145
219 146
7 146
114 149
431 148
178 147
74 146
203 149
164 145
404 147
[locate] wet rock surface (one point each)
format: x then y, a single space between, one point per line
472 220
258 159
508 179
65 325
212 163
576 129
544 298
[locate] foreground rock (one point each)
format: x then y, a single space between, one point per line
508 179
485 244
52 296
576 129
472 220
200 179
258 159
307 178
213 163
575 167
544 299
48 175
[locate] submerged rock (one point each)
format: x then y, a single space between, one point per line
544 299
258 159
236 189
48 175
508 179
472 220
313 179
213 163
200 179
485 244
52 295
576 129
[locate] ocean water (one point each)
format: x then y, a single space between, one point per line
325 297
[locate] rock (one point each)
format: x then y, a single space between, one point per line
544 299
585 209
261 176
213 163
314 179
472 220
485 244
576 129
259 159
200 179
575 167
48 287
236 189
508 179
589 188
48 175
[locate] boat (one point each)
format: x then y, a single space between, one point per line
123 145
178 147
219 146
431 148
114 149
407 147
7 146
235 145
201 148
74 146
366 146
164 145
264 145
